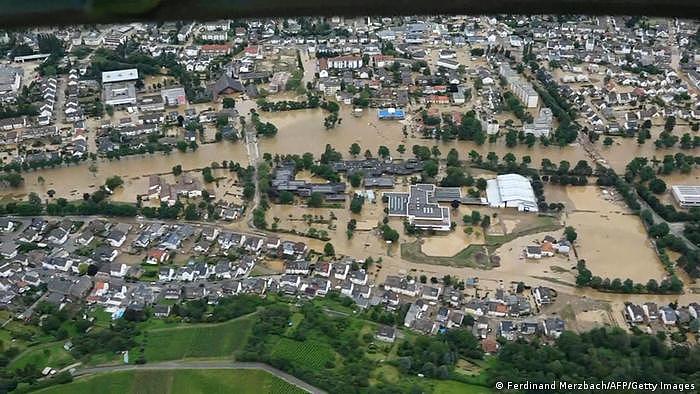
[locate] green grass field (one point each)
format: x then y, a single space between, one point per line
198 341
310 354
48 355
411 251
186 381
455 387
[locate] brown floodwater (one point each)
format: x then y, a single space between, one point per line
613 242
72 181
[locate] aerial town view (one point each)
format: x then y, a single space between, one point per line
341 205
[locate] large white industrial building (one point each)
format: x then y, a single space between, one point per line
687 196
511 191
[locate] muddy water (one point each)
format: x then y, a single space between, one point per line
450 244
590 198
303 131
72 181
613 242
623 150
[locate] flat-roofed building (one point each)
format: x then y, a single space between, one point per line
511 191
120 93
421 207
119 86
130 74
687 196
10 79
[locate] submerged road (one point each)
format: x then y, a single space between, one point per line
174 365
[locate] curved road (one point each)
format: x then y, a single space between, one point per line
170 365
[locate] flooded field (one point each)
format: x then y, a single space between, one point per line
333 222
452 243
303 131
613 242
72 181
623 150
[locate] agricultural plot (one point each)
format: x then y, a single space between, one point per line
311 354
49 355
184 381
202 341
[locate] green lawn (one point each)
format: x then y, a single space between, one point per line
47 355
455 387
541 224
186 381
311 354
412 252
198 341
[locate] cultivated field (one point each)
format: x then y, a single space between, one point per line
50 355
186 381
202 341
311 354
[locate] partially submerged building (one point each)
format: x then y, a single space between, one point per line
420 206
511 191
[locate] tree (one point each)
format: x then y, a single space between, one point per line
530 140
383 152
355 179
481 184
286 197
328 249
452 158
652 286
191 212
670 123
228 102
356 204
486 221
389 234
657 186
659 230
511 138
113 182
570 234
430 167
607 141
177 170
34 199
355 149
475 217
647 217
401 149
315 200
259 218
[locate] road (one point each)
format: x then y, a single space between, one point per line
175 365
253 151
